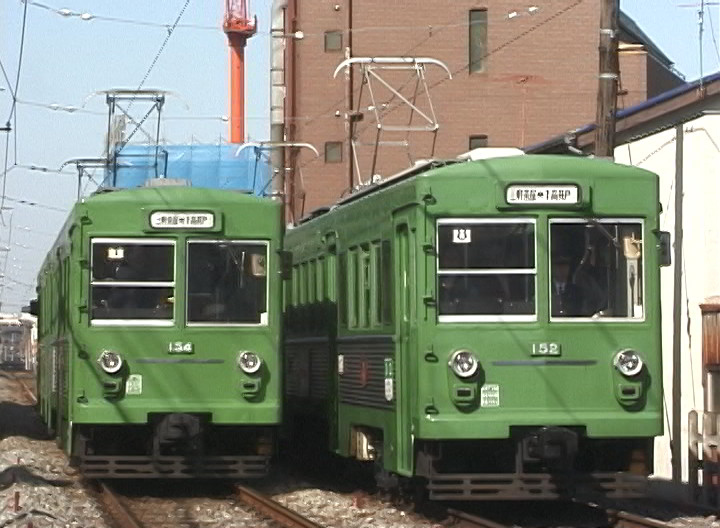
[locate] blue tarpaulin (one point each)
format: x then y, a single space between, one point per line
205 166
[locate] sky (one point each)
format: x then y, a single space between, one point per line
67 59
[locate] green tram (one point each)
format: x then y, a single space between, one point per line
485 329
159 333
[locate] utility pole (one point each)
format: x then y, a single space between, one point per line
278 89
349 90
608 79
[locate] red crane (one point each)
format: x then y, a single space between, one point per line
238 27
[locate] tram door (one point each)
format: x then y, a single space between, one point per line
405 281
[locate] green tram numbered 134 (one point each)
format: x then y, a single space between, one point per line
159 329
484 329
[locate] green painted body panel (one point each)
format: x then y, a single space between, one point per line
581 393
205 381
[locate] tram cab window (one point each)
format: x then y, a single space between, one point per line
132 280
227 282
596 269
485 269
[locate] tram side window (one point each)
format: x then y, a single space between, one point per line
342 292
376 283
227 282
311 276
485 268
364 286
386 285
320 280
353 281
132 280
596 269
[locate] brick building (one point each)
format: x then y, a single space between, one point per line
519 77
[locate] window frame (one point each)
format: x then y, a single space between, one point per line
264 318
643 261
485 318
478 137
137 284
340 145
483 60
333 32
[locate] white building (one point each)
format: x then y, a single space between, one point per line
677 136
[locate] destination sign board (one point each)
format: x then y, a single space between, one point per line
542 195
182 220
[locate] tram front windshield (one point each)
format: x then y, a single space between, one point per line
487 269
596 269
132 280
227 282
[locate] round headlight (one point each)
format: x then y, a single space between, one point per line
628 362
463 363
111 362
249 362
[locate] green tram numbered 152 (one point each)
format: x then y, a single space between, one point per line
484 329
159 329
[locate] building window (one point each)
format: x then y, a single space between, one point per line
333 152
477 37
478 141
333 41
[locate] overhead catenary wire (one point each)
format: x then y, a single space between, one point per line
35 204
20 61
712 33
71 109
5 172
170 32
7 79
432 32
87 16
104 18
40 168
14 93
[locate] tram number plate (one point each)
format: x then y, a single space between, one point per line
546 349
180 347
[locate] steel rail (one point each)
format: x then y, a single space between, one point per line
272 509
621 519
28 392
616 519
122 516
25 389
468 520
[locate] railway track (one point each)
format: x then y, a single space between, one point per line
120 513
615 519
25 389
621 519
272 509
134 513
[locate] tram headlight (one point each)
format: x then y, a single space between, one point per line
111 362
463 363
628 362
249 362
